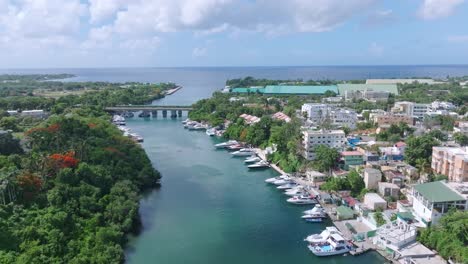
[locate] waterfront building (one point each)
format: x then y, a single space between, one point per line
313 138
388 189
371 178
394 236
451 162
434 199
249 119
373 201
388 119
316 177
411 109
287 89
351 158
402 81
344 88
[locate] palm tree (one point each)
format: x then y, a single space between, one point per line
423 167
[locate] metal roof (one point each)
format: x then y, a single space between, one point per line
438 192
300 89
343 87
247 90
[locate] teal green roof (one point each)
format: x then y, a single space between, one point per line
344 211
247 90
300 89
391 88
438 192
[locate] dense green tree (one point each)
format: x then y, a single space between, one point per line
461 139
326 158
419 148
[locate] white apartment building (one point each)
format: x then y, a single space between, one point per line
411 109
438 105
331 138
339 117
434 199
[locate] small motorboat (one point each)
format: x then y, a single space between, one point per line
235 147
316 214
303 199
226 144
259 165
287 186
211 132
252 159
185 121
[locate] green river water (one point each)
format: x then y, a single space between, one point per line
212 209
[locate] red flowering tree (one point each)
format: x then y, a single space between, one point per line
60 161
30 184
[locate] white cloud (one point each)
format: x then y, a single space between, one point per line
458 39
433 9
199 52
375 49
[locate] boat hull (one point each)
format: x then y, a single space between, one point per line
323 253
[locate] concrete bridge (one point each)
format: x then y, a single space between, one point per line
176 110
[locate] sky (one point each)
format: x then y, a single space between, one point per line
175 33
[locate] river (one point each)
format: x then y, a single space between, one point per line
212 209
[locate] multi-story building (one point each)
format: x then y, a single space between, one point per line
451 162
331 138
372 177
434 199
318 113
383 120
438 105
411 109
351 158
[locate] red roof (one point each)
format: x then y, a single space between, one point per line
350 201
400 144
351 153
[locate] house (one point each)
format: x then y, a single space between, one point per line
315 176
434 199
387 189
451 162
371 178
395 177
373 201
249 119
313 138
281 116
351 158
462 127
349 201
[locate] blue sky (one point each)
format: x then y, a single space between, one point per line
142 33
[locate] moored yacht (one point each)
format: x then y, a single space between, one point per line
323 236
235 147
334 245
259 165
244 152
316 214
287 186
281 177
226 144
283 181
303 199
252 159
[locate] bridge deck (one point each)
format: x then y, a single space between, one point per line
148 108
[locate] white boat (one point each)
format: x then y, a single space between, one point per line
318 210
283 181
323 236
295 191
197 127
287 186
185 121
252 159
226 144
303 199
334 245
281 177
244 152
211 132
317 214
259 165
